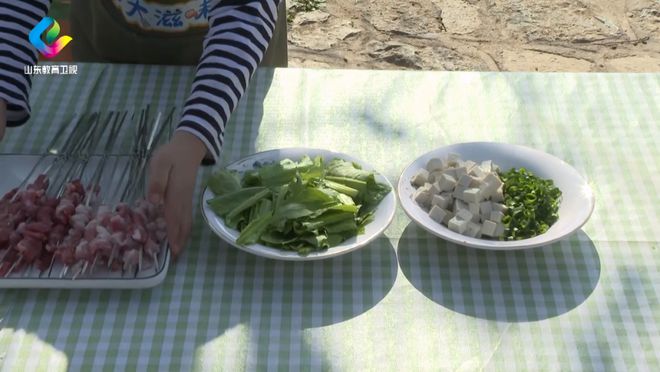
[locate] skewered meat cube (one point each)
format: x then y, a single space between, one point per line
45 213
90 230
131 258
65 209
100 247
117 223
5 232
29 248
35 230
43 261
102 232
57 234
8 196
82 252
66 254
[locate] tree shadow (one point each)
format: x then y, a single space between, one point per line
514 286
300 295
273 302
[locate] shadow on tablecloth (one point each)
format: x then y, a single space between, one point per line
514 286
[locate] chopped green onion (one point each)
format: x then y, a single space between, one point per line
533 204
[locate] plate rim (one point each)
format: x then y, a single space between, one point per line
282 255
485 243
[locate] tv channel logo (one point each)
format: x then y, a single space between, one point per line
52 47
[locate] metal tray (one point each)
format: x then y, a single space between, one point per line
15 168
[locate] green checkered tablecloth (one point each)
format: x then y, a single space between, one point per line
409 301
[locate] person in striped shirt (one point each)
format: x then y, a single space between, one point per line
227 39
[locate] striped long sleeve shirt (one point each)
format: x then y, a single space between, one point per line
239 33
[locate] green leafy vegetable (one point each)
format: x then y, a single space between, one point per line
532 202
224 182
301 206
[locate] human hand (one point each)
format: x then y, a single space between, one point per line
172 176
3 118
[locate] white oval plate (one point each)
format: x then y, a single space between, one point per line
382 217
576 206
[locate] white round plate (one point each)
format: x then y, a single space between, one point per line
576 206
382 218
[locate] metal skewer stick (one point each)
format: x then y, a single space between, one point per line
139 265
116 191
81 271
74 151
143 160
96 177
139 128
91 269
50 267
65 270
13 266
52 143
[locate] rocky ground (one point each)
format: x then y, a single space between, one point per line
505 35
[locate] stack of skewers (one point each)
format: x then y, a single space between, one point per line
79 212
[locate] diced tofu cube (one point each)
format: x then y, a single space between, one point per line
488 228
472 195
475 182
469 165
450 172
458 191
473 230
446 182
499 207
477 172
464 214
460 205
435 188
496 216
442 201
489 185
422 197
437 214
499 231
487 166
485 208
465 180
474 209
434 176
448 217
498 196
420 178
449 197
457 225
427 186
452 159
487 190
460 172
434 164
493 178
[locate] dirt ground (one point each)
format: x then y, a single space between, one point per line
504 35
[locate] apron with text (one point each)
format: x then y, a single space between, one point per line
168 32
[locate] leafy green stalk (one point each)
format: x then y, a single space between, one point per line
224 204
353 193
254 230
247 203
